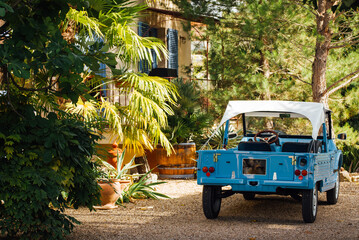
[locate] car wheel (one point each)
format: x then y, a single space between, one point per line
211 201
333 194
249 196
310 204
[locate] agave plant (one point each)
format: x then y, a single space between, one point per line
122 169
142 189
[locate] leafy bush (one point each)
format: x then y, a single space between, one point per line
349 147
40 160
189 120
350 157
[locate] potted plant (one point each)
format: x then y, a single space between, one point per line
114 181
185 127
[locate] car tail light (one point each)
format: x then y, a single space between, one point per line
211 169
208 174
304 173
205 169
297 172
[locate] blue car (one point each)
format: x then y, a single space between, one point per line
287 149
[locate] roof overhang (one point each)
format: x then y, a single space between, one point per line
180 15
313 111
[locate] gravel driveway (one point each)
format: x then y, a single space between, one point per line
266 217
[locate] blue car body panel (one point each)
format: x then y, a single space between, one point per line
280 169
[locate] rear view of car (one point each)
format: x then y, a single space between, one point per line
285 159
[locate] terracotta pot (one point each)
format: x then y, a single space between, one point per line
112 157
110 192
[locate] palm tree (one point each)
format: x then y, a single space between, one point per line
106 26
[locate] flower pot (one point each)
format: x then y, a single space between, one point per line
110 192
180 164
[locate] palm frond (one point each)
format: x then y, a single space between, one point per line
90 25
86 109
110 113
131 47
137 125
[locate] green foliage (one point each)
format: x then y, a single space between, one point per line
142 189
40 159
350 156
189 120
261 51
33 46
41 54
264 51
138 124
349 147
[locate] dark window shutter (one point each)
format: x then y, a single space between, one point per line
102 73
172 45
153 33
143 31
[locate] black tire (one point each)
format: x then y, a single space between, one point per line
249 196
333 194
315 146
211 201
296 197
310 204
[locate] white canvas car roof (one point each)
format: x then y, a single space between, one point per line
315 112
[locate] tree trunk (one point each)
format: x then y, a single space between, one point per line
267 95
319 67
264 64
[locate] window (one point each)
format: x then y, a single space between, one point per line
144 30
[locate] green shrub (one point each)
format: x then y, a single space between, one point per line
350 156
349 147
189 121
40 160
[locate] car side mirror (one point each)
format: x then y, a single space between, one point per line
232 135
342 136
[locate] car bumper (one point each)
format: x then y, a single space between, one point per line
254 185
